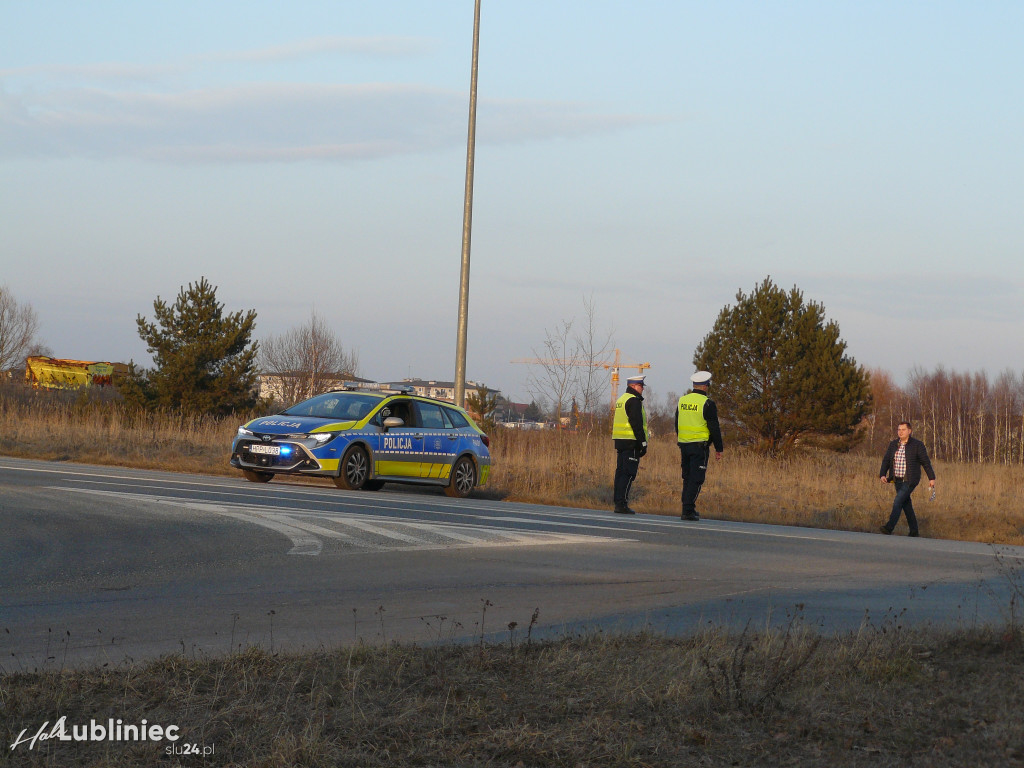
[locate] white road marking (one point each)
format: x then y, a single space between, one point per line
302 542
377 530
304 535
486 536
319 530
470 507
448 531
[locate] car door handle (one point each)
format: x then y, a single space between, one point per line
453 437
419 436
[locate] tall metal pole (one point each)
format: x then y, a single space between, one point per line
467 226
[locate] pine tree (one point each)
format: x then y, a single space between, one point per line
574 414
481 405
780 372
533 412
204 361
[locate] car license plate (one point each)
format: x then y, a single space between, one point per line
271 450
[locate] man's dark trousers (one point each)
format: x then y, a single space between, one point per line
626 466
694 462
903 503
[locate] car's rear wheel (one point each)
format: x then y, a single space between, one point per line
355 469
463 478
257 477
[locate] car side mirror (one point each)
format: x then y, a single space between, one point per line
391 422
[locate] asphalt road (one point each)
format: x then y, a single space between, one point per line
102 565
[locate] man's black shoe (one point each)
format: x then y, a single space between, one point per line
885 529
693 516
915 534
624 511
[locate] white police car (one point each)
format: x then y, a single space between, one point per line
362 439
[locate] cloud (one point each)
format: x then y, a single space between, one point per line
373 46
949 297
382 46
276 122
895 296
142 111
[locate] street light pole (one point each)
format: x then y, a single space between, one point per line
467 226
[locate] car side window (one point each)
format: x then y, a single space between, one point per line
431 416
457 420
401 409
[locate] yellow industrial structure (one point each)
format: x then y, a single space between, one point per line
57 373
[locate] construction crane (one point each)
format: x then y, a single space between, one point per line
613 365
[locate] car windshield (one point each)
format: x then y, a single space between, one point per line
344 406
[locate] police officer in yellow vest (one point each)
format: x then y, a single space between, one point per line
697 428
629 432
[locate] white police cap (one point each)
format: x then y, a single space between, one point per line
701 377
639 379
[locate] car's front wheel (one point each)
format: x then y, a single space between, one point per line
463 478
355 469
257 477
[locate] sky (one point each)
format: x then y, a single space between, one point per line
650 157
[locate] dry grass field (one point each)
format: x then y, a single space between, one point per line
886 695
975 502
58 428
882 696
818 489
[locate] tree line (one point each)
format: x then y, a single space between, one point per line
19 330
782 376
206 360
964 417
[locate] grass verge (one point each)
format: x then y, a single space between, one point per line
880 696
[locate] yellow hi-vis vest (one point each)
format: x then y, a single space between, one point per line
621 429
692 427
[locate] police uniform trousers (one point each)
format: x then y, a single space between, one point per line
694 463
626 466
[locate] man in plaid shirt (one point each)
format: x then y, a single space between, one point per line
902 465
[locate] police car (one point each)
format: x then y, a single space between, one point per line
364 437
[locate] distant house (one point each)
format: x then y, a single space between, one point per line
508 411
294 386
520 415
441 390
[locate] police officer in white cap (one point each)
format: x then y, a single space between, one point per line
697 428
629 432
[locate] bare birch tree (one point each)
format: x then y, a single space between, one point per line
964 418
555 374
886 409
18 328
573 369
593 346
307 360
1007 403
